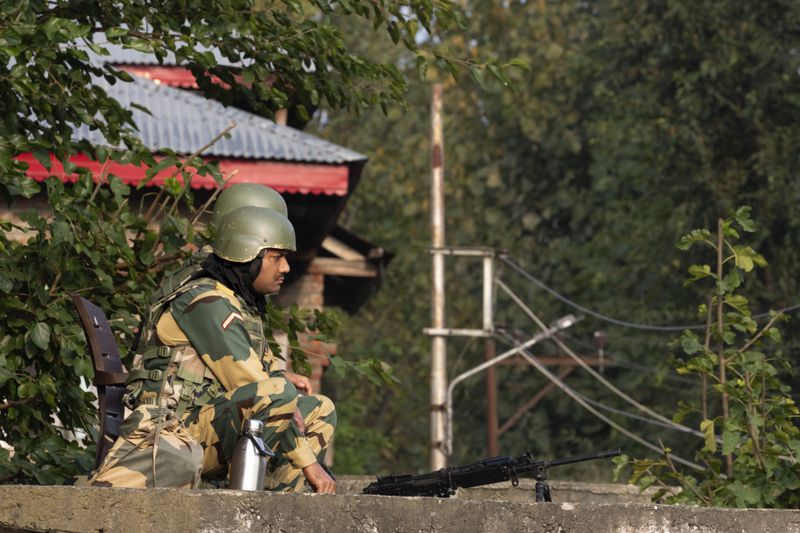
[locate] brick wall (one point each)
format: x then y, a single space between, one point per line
307 293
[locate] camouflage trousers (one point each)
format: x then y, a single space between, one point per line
204 442
273 401
319 417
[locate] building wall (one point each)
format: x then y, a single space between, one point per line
307 293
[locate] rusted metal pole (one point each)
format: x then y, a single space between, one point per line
492 421
438 342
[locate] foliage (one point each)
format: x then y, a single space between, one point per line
82 248
267 56
752 442
262 55
636 122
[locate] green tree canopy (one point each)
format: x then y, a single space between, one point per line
269 55
636 122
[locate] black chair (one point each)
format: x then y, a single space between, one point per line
109 373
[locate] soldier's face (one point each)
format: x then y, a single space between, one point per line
274 268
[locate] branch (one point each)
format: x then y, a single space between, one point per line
100 180
187 183
759 334
213 197
54 285
13 403
678 474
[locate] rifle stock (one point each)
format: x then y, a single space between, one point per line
444 482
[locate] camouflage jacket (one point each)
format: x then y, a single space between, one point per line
206 341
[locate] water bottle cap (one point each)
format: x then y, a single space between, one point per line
253 426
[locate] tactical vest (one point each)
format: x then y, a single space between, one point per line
175 377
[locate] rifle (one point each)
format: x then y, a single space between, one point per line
444 482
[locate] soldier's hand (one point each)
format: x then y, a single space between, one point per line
319 479
301 383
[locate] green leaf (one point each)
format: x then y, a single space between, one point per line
23 186
746 258
746 495
83 368
690 343
518 63
39 334
117 187
707 428
731 281
116 33
498 73
163 163
42 155
692 238
683 410
26 390
6 285
773 333
422 67
730 440
699 272
61 231
738 302
140 45
743 218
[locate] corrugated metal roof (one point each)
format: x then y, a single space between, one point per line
185 121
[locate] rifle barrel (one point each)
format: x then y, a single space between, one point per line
580 458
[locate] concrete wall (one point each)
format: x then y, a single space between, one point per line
30 508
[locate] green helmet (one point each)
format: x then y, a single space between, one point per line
243 194
244 232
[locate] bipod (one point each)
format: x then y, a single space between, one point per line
542 488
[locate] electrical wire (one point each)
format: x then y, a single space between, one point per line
522 272
615 361
620 412
577 397
592 371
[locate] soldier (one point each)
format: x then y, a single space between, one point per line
203 367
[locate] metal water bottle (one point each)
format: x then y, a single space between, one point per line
249 460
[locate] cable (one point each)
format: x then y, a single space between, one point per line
588 311
620 412
592 371
577 397
616 361
612 320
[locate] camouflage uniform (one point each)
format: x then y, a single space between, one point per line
206 364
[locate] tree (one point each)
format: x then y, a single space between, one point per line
635 123
747 411
265 55
262 55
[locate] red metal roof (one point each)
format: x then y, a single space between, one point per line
172 76
168 75
293 178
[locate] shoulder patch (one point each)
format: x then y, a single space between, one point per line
231 317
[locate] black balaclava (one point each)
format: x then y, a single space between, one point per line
238 277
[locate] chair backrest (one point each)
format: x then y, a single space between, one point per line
109 373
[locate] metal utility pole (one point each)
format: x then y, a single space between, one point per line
438 343
489 352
